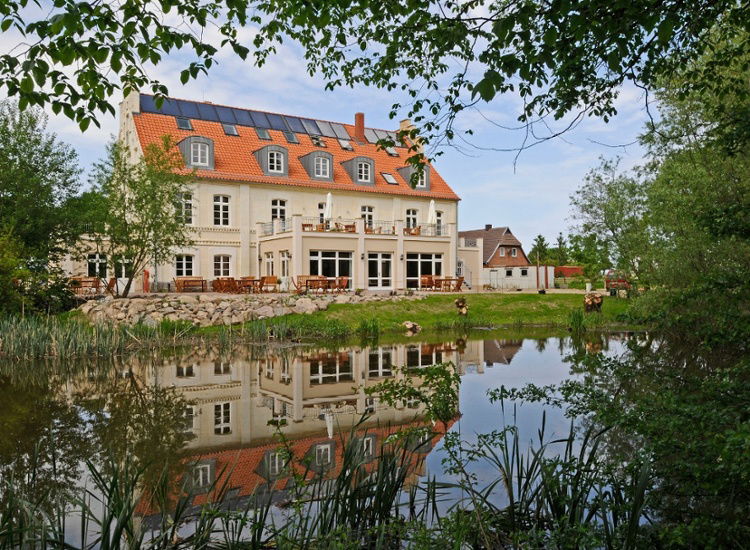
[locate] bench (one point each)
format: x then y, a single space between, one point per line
190 284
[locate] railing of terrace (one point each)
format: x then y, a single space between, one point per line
336 225
266 228
434 230
380 227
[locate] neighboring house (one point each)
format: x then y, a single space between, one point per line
499 260
286 195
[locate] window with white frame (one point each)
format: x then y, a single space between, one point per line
331 368
331 263
438 223
278 209
222 418
97 265
221 209
185 208
368 446
221 265
123 267
501 251
201 476
275 463
185 371
422 179
363 172
269 263
411 217
323 454
321 212
380 363
188 416
322 167
286 259
222 368
199 153
514 252
418 265
183 265
368 214
276 162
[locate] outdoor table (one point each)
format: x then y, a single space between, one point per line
318 284
249 284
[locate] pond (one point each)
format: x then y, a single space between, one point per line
229 416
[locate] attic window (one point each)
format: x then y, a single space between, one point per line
391 151
262 133
317 141
346 145
184 123
389 178
291 137
230 130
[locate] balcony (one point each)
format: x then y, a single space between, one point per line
354 227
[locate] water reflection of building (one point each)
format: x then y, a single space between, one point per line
500 351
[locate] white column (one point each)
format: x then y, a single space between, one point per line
399 262
452 250
360 265
297 252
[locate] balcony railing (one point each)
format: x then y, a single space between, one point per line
427 230
379 227
266 229
470 243
312 224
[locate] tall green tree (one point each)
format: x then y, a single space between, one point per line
39 174
137 219
539 250
561 251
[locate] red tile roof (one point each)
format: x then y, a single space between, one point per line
234 159
493 237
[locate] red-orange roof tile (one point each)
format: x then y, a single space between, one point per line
234 160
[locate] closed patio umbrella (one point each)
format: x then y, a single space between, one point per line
329 421
328 212
431 213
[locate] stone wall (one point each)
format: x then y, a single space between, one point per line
212 309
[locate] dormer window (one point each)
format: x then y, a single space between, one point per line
199 154
184 123
363 172
422 180
322 167
276 162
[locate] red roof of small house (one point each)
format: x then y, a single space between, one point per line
492 238
234 159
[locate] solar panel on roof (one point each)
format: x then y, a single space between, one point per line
310 126
147 104
260 119
226 116
370 135
243 117
325 129
277 122
392 135
168 107
295 124
208 112
188 109
340 131
382 134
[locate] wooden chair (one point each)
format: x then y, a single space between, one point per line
85 285
307 227
342 284
426 282
350 228
111 287
224 284
248 284
457 286
269 281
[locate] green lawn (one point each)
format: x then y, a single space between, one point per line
491 309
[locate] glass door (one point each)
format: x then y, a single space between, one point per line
379 271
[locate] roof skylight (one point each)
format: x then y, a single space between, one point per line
262 133
291 137
346 145
184 123
389 178
230 129
317 141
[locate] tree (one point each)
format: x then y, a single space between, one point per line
137 221
611 205
539 250
38 176
561 251
558 57
10 271
591 253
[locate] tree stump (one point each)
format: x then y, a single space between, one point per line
592 302
462 306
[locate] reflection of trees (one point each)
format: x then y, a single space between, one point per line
42 442
144 424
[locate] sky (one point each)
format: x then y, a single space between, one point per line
530 194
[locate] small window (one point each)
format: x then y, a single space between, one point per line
185 208
346 145
317 141
278 209
221 265
276 162
322 454
222 418
199 154
363 171
389 179
221 210
291 137
184 123
286 259
509 273
322 212
230 129
411 218
391 151
514 252
422 179
201 476
269 263
97 266
524 272
322 167
263 133
185 372
183 265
